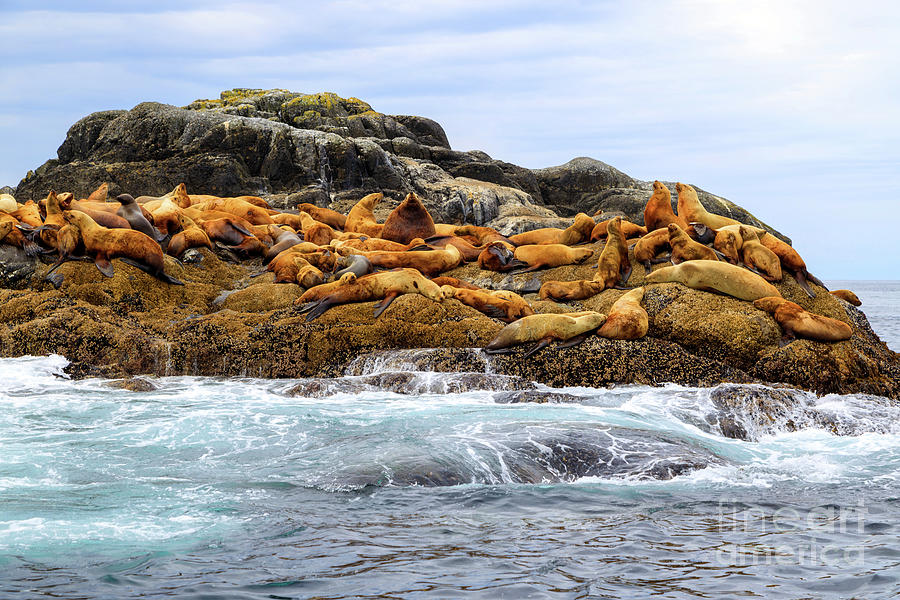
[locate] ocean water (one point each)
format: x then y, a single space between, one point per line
881 303
234 488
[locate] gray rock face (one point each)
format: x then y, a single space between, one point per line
329 151
16 268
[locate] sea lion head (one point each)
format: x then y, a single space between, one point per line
769 303
76 218
748 234
679 187
125 199
448 291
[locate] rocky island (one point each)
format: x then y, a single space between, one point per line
319 150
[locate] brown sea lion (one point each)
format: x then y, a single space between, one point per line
690 209
579 289
847 296
628 229
384 286
545 328
190 235
499 256
361 218
320 234
627 319
790 260
796 322
757 257
291 220
332 218
718 276
658 213
167 216
105 216
579 231
312 254
29 214
132 246
53 220
684 248
729 242
613 266
409 220
546 256
100 194
469 252
649 246
230 233
5 228
15 237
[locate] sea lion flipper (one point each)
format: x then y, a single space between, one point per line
318 309
56 279
104 266
525 270
381 306
540 345
800 276
816 280
626 273
574 341
494 311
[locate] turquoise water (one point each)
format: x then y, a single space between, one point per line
232 488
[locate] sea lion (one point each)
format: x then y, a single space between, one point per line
847 296
454 282
53 220
15 237
131 212
718 276
627 319
543 329
291 220
545 256
167 217
797 322
313 295
105 215
370 244
728 241
320 234
234 236
428 262
100 194
628 229
757 257
580 289
468 251
361 218
579 231
357 264
282 241
790 260
481 235
8 203
285 266
332 218
690 209
684 248
486 302
5 228
190 235
658 213
29 214
178 195
384 286
649 246
409 220
613 266
132 246
239 208
500 257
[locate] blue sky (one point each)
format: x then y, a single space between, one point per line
791 109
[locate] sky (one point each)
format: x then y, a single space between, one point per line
791 109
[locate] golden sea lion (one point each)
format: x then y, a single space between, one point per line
728 241
847 296
579 289
239 208
132 246
797 322
428 262
234 236
481 235
543 329
315 294
167 216
384 286
361 218
5 228
757 257
443 280
408 221
628 229
15 237
627 319
690 209
468 251
658 213
649 246
178 195
717 276
579 231
291 220
613 266
684 248
104 215
545 256
29 214
100 194
503 307
790 260
332 218
190 235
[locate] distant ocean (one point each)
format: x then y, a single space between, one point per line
229 488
